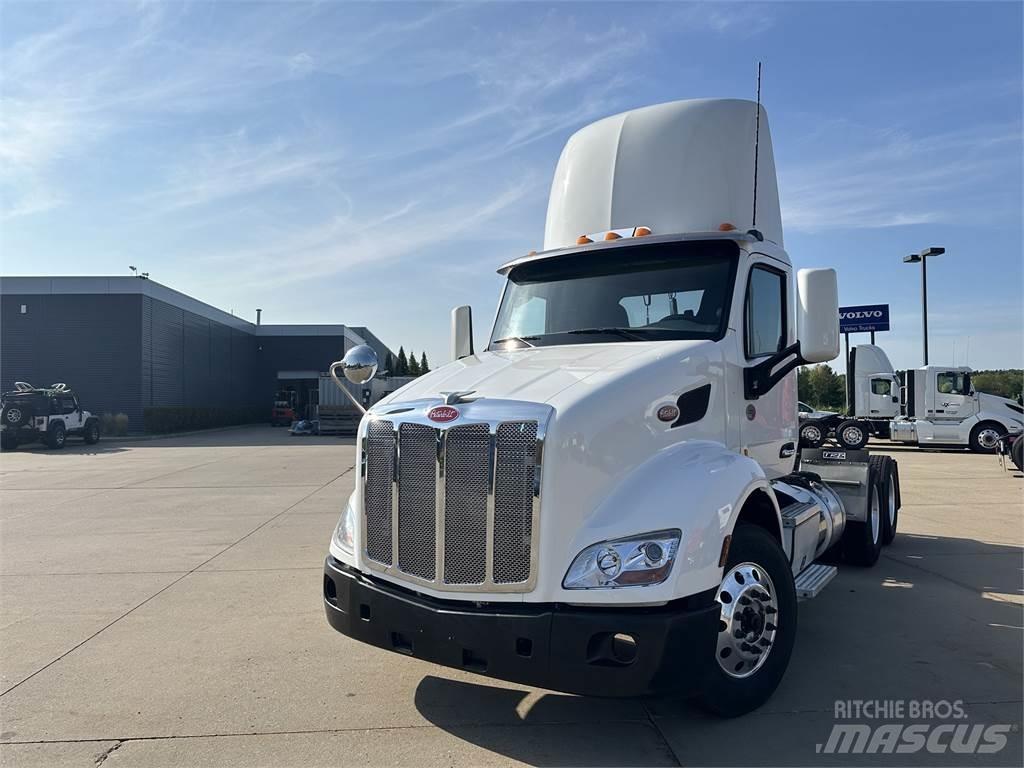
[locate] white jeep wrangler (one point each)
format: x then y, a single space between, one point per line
50 414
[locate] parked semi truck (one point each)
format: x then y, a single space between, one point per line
608 499
933 405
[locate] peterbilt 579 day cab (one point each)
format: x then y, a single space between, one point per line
608 500
934 405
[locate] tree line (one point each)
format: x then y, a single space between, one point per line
406 365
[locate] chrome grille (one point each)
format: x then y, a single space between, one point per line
417 496
516 448
379 475
455 507
467 476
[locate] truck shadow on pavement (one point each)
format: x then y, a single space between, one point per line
936 619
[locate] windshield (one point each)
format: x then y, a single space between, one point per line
650 292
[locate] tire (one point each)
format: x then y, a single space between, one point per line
852 435
812 435
885 470
984 437
56 436
862 541
15 415
91 433
769 615
1017 453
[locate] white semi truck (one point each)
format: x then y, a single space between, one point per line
608 500
935 405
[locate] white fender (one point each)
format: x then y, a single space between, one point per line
697 486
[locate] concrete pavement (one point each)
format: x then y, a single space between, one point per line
160 605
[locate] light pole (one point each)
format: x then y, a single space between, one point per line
923 258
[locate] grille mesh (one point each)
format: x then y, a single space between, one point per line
417 500
513 501
467 472
380 469
488 486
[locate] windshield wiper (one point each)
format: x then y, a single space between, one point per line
524 339
625 333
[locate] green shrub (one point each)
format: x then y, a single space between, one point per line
121 424
107 423
161 420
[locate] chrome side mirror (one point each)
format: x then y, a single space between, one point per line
359 364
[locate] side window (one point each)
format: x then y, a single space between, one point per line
70 406
881 386
803 408
950 383
765 312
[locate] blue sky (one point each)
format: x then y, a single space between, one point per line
373 164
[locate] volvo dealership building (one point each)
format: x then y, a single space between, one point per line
127 344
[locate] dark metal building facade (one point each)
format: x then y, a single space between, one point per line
125 344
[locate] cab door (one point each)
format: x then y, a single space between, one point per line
951 397
883 400
768 426
71 412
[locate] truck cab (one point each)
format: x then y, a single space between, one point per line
933 405
608 498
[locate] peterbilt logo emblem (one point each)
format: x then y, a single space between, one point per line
833 455
874 313
668 413
443 413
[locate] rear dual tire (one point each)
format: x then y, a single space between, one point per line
863 539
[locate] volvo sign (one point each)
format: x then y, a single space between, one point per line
864 319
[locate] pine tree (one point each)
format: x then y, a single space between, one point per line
414 367
424 367
402 366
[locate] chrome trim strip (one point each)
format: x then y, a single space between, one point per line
442 444
492 470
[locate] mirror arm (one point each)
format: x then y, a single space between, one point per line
341 385
759 379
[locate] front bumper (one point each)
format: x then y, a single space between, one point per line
549 645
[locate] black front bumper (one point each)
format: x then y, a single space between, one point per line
563 648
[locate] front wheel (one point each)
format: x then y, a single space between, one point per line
852 435
757 626
985 437
92 433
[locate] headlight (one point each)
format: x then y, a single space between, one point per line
344 534
639 560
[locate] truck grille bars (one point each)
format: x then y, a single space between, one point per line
456 506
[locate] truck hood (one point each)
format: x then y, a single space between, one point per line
1002 407
536 375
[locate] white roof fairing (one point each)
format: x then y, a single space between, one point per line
684 166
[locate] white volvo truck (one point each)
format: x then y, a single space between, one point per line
935 405
608 500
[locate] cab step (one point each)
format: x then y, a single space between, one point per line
813 579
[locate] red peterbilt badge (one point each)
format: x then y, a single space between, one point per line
668 413
443 413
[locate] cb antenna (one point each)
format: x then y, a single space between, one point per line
757 139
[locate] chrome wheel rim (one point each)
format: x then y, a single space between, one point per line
811 434
988 438
853 435
748 622
892 503
876 514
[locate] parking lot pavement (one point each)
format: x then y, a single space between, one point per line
160 605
